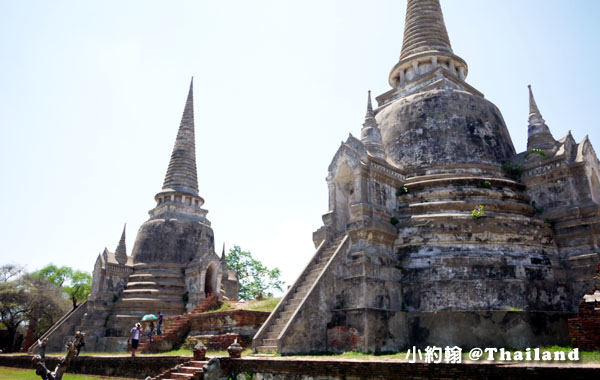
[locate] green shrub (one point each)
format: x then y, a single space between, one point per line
513 170
401 191
538 151
394 220
478 212
484 185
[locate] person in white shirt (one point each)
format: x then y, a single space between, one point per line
135 338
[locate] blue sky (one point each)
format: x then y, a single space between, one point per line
91 95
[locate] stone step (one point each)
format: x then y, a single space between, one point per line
285 314
140 277
309 279
319 267
300 295
161 293
187 369
279 322
303 288
294 302
182 376
155 284
145 306
291 307
197 363
271 336
264 349
151 298
270 342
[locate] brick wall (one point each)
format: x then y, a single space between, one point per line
243 322
585 328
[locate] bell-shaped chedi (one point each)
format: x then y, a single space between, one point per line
432 119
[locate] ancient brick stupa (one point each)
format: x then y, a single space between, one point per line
173 265
438 232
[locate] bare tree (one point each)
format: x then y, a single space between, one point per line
40 360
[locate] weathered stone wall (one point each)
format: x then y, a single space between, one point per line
468 329
219 342
243 322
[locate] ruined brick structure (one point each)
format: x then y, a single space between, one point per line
173 265
585 328
407 256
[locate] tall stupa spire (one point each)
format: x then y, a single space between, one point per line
426 45
179 195
534 112
370 114
181 174
538 133
424 29
121 251
370 135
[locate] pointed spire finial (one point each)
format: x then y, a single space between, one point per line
534 112
223 253
538 133
181 174
121 250
425 45
370 113
424 29
370 135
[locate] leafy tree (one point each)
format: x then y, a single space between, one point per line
77 284
48 303
255 278
14 302
28 299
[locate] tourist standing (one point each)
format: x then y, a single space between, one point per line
135 338
158 330
150 331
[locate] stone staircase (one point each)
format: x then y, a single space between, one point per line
176 328
191 370
282 314
154 288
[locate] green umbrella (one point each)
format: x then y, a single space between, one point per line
149 317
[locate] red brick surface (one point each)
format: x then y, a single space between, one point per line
585 329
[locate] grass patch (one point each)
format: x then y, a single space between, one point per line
267 304
7 373
224 307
